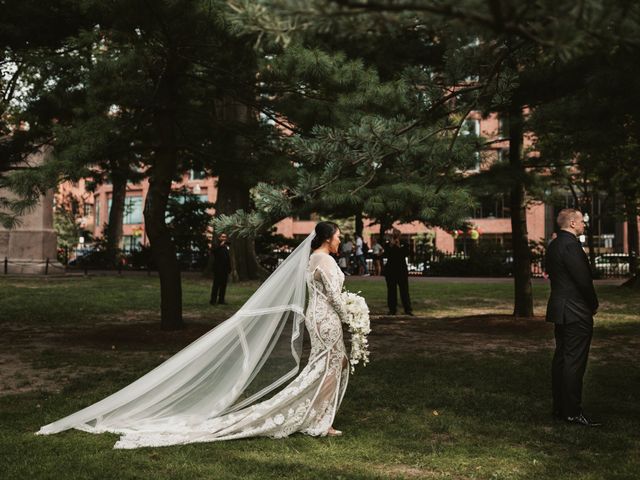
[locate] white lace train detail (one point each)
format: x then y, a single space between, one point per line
308 404
208 391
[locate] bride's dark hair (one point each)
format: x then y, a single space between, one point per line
324 231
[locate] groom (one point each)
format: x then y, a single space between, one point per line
571 307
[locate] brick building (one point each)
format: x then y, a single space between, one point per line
491 217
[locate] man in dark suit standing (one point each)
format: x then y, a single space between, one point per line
396 274
571 307
221 270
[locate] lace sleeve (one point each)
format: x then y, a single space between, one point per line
325 275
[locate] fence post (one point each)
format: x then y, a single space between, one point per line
46 267
6 265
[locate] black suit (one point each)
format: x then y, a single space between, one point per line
221 270
571 307
396 275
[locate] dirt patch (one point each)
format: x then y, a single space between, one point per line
48 358
476 334
406 471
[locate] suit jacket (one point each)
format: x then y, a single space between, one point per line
221 260
573 297
396 260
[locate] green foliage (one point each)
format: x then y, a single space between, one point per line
67 229
590 138
360 144
188 220
484 260
494 55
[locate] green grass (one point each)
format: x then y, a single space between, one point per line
458 392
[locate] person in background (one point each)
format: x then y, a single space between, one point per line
346 249
221 270
360 251
377 251
396 274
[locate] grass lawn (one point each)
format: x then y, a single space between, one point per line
459 391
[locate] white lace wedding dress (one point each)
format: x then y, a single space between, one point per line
310 402
158 410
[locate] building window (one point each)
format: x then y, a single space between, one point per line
490 206
197 174
133 210
464 243
470 127
88 209
131 243
97 204
503 240
204 198
503 127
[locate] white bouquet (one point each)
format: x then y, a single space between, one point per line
358 322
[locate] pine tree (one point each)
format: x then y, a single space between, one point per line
29 43
591 139
146 86
517 63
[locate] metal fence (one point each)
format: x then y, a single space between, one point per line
45 266
607 265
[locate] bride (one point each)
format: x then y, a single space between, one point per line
218 387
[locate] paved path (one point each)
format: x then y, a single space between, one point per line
412 278
605 281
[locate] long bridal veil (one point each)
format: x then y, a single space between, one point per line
241 361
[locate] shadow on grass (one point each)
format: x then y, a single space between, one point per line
454 397
425 416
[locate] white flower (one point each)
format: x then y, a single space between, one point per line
278 419
359 326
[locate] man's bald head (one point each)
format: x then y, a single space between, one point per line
571 219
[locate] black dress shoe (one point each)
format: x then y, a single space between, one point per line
391 313
557 415
583 421
211 302
223 303
409 314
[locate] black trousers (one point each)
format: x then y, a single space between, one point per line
395 282
569 363
219 287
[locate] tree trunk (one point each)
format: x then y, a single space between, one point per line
588 207
233 195
235 180
385 226
162 171
633 239
521 255
113 232
359 224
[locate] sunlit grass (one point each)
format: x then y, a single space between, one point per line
463 408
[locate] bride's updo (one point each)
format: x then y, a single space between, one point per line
324 231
